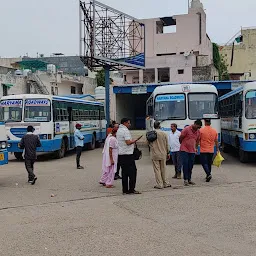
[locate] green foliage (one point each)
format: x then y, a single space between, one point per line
220 63
100 78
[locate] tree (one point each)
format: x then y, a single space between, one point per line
100 78
220 63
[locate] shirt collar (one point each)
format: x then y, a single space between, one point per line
29 132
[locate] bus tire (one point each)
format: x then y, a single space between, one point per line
62 151
225 147
243 156
92 144
18 156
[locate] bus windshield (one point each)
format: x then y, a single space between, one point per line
200 104
170 106
37 110
11 110
250 103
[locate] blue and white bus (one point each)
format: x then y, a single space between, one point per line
54 119
183 104
238 120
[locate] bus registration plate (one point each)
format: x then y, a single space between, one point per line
1 157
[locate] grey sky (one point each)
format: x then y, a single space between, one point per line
48 26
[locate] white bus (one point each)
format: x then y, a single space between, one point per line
183 104
238 120
54 119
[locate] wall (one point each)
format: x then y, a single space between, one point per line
206 73
19 84
244 59
6 62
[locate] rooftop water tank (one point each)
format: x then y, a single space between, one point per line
51 68
100 93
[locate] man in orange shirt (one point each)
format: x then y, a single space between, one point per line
208 138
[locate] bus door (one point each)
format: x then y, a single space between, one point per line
71 128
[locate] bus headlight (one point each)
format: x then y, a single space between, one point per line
3 145
252 136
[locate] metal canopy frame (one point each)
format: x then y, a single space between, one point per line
110 38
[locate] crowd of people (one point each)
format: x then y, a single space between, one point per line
118 153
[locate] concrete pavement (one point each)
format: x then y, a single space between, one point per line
84 218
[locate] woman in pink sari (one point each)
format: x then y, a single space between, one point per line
110 158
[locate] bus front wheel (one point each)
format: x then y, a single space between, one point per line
61 152
18 156
243 156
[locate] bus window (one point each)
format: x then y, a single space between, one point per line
202 103
11 110
250 103
170 106
38 110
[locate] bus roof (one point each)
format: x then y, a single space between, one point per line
51 97
246 87
179 88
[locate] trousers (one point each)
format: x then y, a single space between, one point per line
188 164
160 173
129 173
78 155
206 161
176 162
29 164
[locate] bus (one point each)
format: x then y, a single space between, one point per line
183 104
54 119
238 120
3 143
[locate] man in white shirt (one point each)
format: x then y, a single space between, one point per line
125 157
174 142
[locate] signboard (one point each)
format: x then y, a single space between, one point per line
185 88
11 103
210 116
170 97
37 102
139 90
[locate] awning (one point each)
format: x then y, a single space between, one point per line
7 85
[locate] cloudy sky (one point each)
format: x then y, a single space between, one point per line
47 26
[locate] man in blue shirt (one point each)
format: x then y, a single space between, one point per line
79 142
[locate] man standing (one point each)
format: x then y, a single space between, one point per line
208 138
79 143
174 141
125 158
30 142
189 140
160 152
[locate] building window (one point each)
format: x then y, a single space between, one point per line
5 90
180 71
73 90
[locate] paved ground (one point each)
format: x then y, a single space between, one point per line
85 219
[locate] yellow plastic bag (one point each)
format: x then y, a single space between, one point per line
218 160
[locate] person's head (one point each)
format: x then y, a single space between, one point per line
207 122
157 125
114 131
173 127
78 126
30 128
113 123
126 122
115 127
197 124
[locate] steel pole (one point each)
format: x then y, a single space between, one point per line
107 94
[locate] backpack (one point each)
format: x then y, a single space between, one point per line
151 136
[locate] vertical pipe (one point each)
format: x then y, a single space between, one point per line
107 94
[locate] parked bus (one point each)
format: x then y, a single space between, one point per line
238 120
183 104
54 119
3 142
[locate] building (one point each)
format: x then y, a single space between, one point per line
177 50
240 55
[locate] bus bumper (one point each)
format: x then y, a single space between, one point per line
47 146
3 157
